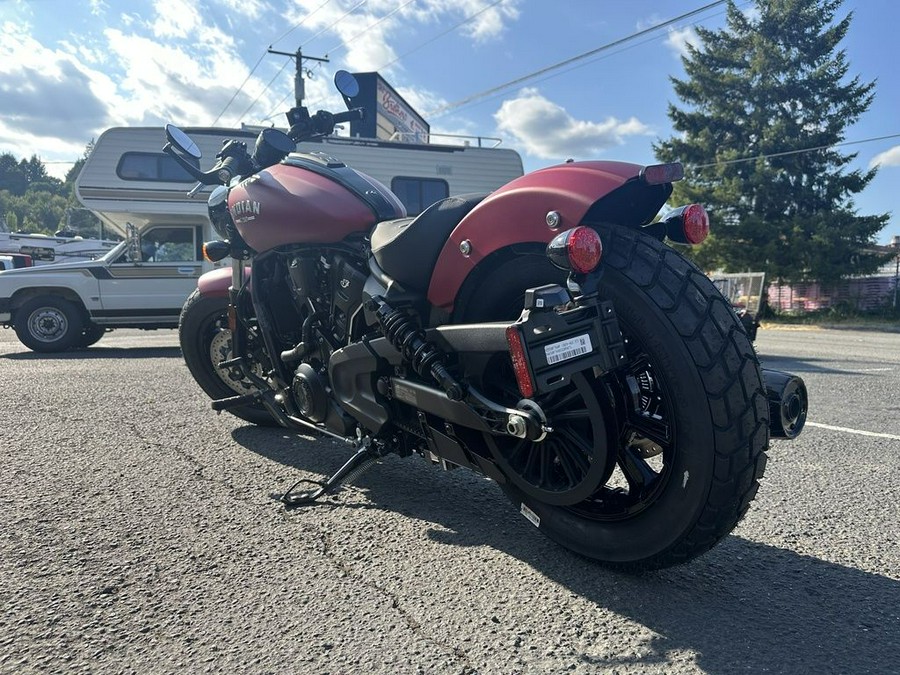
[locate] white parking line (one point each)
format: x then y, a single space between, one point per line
853 431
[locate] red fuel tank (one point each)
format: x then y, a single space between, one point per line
308 199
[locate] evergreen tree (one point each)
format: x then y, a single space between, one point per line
767 99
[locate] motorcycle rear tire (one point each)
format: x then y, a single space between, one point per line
711 378
201 318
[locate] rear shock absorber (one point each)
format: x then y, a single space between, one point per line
410 340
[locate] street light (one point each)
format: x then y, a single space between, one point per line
895 244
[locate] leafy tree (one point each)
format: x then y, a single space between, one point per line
12 177
33 201
766 100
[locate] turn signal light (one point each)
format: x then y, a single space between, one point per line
687 224
519 361
217 250
578 250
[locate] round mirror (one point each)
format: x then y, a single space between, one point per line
182 141
346 84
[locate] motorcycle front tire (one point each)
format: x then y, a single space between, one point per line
202 319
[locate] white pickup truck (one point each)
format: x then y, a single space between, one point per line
141 283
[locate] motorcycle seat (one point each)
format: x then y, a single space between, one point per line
408 248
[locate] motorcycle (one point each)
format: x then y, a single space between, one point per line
545 335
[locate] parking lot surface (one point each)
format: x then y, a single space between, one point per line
138 534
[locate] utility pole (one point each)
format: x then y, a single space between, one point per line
299 85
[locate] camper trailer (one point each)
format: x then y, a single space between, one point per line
141 193
44 249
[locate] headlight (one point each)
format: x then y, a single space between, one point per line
219 215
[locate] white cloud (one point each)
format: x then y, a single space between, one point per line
175 18
546 130
249 8
44 93
887 158
180 63
366 33
678 40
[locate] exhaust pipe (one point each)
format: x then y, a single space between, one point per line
788 403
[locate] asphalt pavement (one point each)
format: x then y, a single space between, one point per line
138 535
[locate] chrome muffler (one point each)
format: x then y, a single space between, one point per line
788 403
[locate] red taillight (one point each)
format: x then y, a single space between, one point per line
696 224
578 249
519 361
687 224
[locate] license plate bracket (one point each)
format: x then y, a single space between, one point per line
558 344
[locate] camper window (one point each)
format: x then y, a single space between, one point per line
151 166
417 194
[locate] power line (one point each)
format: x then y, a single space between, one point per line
440 35
792 152
344 42
365 30
616 43
259 60
335 23
265 89
281 70
239 89
297 25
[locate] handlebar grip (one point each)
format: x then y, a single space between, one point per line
350 115
226 170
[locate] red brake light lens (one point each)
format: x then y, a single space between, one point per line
695 223
687 224
578 250
519 361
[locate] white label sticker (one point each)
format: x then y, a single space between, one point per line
568 349
532 517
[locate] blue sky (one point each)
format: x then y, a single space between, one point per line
69 70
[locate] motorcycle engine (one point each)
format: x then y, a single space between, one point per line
332 284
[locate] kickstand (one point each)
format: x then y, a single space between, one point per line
354 467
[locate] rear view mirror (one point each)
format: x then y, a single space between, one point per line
182 141
346 84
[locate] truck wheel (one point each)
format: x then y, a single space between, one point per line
48 324
206 342
90 335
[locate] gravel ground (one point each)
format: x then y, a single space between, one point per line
138 535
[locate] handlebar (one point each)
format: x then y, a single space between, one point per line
234 159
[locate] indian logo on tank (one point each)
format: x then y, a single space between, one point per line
245 210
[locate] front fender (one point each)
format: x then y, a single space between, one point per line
517 213
216 283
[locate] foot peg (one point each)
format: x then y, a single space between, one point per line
357 465
234 402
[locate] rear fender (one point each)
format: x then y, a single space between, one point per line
215 284
517 213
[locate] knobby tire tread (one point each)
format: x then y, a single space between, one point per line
729 370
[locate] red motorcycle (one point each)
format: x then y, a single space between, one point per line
544 335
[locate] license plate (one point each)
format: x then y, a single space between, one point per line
568 349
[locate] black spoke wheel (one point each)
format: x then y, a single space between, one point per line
568 464
685 421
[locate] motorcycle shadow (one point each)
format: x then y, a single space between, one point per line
808 366
743 605
98 353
